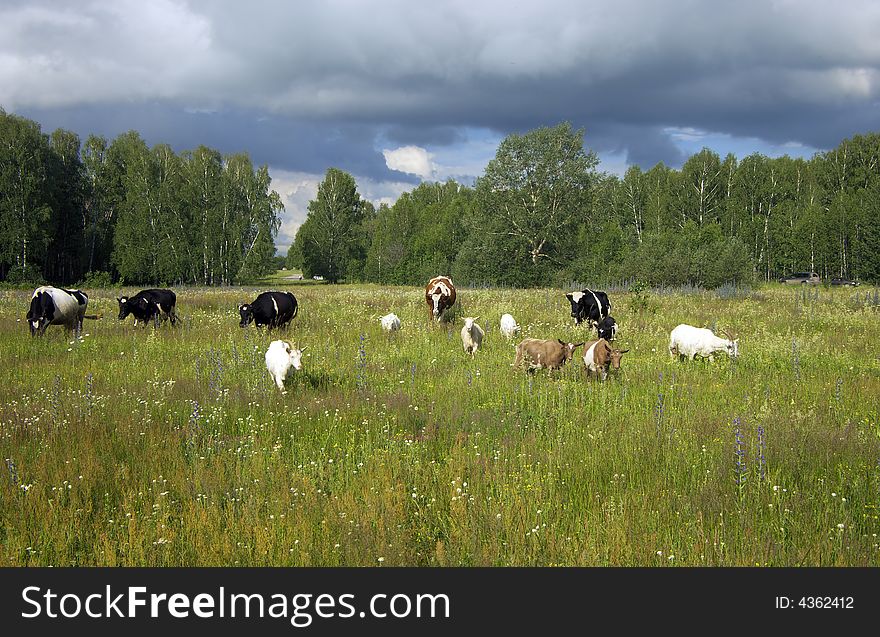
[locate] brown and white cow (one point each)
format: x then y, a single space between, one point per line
439 295
599 357
539 353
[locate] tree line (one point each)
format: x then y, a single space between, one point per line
543 214
106 211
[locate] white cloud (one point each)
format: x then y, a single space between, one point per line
87 53
295 190
410 159
685 133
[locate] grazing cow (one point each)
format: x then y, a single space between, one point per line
599 357
508 326
280 357
149 305
471 335
274 309
540 353
439 295
689 342
390 322
588 305
607 328
56 306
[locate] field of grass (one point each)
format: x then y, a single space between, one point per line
145 447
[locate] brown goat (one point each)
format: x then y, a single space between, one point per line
599 357
539 353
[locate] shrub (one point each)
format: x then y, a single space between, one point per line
97 279
27 275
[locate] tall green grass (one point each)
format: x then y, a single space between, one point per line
173 447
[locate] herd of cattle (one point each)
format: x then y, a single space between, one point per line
57 306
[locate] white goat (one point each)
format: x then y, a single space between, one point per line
690 342
471 335
508 326
390 322
280 357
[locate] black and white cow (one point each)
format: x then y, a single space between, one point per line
274 309
56 306
607 328
593 307
149 305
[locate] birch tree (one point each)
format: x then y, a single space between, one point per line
330 237
538 187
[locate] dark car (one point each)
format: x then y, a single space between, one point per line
844 282
801 277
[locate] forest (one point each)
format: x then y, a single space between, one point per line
543 213
120 211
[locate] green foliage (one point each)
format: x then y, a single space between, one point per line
331 241
699 192
94 280
293 261
148 215
25 194
24 276
691 255
534 190
102 197
420 235
639 291
541 214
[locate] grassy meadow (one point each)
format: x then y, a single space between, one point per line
144 447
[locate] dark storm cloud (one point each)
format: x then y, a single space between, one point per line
308 85
283 143
423 135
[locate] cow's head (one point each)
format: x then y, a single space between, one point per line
37 324
38 327
439 297
247 314
607 329
36 316
576 310
124 308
